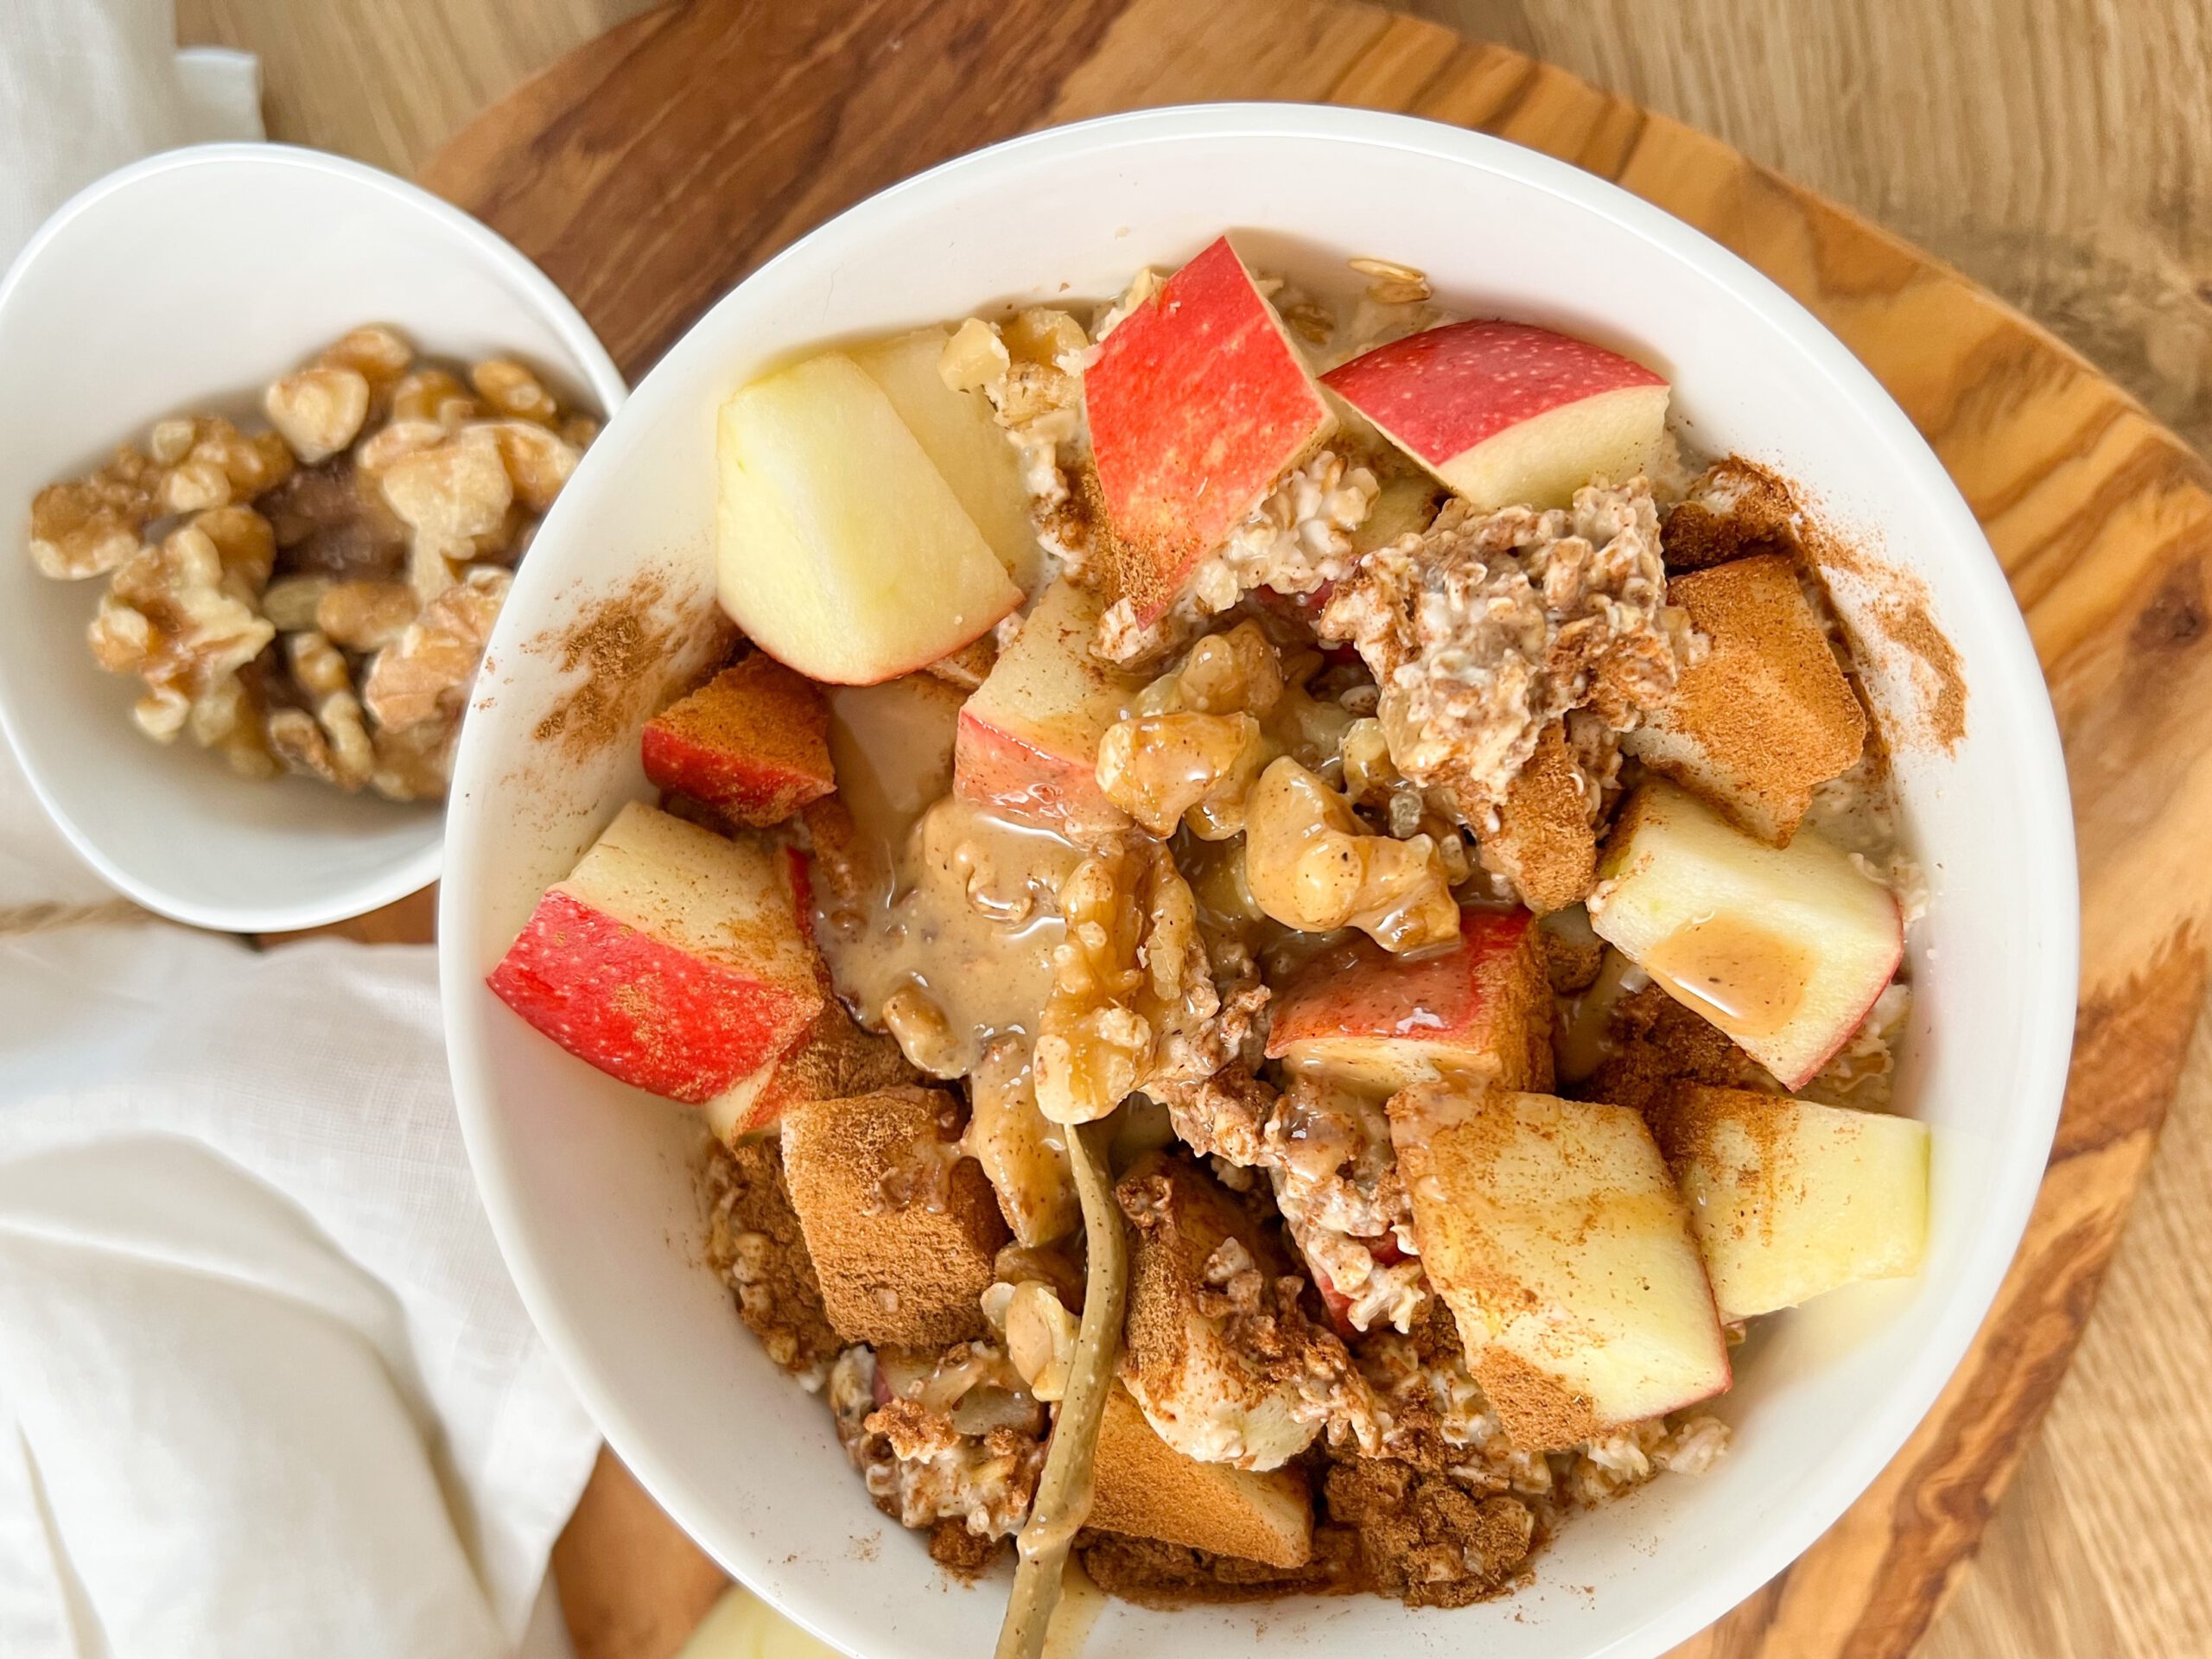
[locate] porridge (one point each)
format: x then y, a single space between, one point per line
1287 923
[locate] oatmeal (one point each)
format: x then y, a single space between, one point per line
1284 1055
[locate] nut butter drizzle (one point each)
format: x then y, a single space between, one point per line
1064 1490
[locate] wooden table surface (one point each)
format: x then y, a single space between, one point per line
2060 156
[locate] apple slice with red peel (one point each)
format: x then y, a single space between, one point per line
1791 1199
1198 402
1028 739
964 440
1783 948
1371 1022
1554 1232
752 742
837 1058
1508 414
672 957
841 550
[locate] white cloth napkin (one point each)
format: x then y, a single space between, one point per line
265 1386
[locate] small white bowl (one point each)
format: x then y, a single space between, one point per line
589 1184
182 284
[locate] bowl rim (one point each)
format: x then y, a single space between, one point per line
2010 672
589 358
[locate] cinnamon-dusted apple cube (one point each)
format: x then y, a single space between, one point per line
1204 1395
1783 948
901 1228
1545 843
836 1058
1198 402
1767 716
1146 1489
752 742
1790 1198
1554 1232
1028 741
673 957
1506 414
1481 1013
841 550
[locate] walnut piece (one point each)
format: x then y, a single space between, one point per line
89 526
1312 865
363 616
175 618
208 462
319 410
453 497
1133 998
425 674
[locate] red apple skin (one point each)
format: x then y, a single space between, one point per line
753 742
1489 1001
1198 402
1026 741
1442 392
995 768
641 1010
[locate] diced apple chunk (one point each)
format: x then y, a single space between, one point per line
1378 1023
842 551
837 1058
901 1228
1789 1197
1028 741
1198 402
672 958
752 742
1204 1395
1554 1232
1767 715
1147 1488
1783 947
1545 843
1506 414
965 441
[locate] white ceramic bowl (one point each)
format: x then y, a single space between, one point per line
589 1184
182 284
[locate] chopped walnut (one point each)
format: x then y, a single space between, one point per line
1484 629
208 462
514 391
171 617
363 616
90 526
319 410
1133 997
416 763
425 674
433 398
1191 752
1031 370
539 462
378 354
1312 865
453 496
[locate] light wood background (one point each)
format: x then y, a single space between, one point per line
2060 151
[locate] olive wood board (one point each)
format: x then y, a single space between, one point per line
655 166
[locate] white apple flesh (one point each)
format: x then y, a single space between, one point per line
963 439
841 550
1790 1198
1783 948
1554 1233
1506 414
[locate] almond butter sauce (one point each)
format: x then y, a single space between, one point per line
963 906
1747 980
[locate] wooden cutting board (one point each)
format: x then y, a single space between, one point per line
653 168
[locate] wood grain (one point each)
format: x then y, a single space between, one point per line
2051 155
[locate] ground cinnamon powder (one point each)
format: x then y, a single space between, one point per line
621 644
